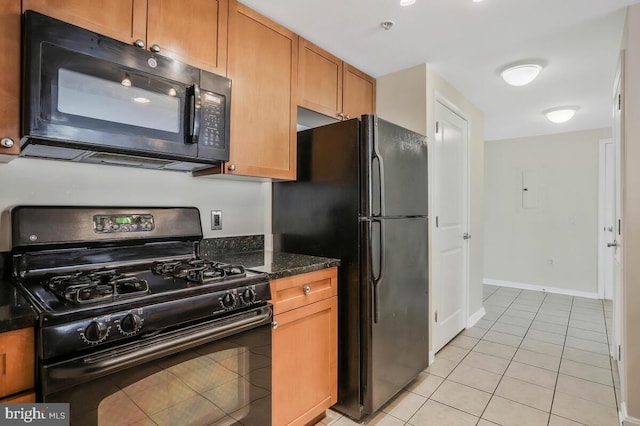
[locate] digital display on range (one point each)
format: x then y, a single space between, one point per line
106 224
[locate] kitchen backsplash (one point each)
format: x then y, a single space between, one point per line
210 247
246 206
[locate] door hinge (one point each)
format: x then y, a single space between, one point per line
436 221
619 226
619 101
619 353
436 314
437 126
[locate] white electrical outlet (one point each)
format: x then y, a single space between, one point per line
216 220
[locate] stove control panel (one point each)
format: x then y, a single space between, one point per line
111 223
126 325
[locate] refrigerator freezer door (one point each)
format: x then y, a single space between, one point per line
394 170
395 306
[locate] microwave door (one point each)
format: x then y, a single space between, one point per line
97 102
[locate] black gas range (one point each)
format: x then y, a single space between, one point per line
122 288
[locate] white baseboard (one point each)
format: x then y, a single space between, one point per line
432 357
473 319
535 287
625 419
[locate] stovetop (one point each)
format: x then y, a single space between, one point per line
100 277
103 289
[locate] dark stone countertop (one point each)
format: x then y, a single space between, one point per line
15 312
277 264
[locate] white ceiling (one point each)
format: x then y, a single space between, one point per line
468 43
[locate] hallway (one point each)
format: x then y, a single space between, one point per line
533 359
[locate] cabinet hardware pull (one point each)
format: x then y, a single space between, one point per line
306 289
139 43
232 168
155 48
6 142
274 325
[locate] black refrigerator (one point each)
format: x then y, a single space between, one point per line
361 196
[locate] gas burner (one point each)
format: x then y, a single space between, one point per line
96 286
198 270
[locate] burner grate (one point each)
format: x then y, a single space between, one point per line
198 270
96 286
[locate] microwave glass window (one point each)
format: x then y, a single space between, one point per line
118 102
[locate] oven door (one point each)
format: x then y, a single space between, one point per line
214 373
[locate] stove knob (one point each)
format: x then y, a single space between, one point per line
228 300
248 296
96 331
131 323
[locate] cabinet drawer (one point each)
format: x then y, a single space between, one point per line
16 361
300 290
28 397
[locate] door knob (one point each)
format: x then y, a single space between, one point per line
466 236
613 244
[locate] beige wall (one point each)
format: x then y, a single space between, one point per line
551 240
401 98
408 97
246 206
630 214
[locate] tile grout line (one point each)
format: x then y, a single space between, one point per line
555 386
514 355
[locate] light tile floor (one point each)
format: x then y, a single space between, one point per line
533 359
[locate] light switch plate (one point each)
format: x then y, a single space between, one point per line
216 220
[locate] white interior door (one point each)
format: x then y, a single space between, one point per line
607 218
450 225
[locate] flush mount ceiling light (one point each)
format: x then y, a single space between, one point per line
476 1
407 2
560 114
520 75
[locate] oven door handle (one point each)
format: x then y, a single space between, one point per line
84 369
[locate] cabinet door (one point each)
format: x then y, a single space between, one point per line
319 80
10 75
16 361
263 63
358 92
124 20
195 34
305 358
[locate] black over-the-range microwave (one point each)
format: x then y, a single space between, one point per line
90 98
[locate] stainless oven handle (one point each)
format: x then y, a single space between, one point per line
196 104
95 366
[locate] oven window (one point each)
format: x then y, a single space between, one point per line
226 382
118 102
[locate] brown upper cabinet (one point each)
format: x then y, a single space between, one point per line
196 34
9 79
332 87
263 64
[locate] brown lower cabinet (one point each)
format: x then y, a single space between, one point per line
16 364
305 351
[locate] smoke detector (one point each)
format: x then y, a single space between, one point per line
387 25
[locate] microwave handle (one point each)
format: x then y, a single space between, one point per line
194 112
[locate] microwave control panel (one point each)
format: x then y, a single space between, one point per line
212 113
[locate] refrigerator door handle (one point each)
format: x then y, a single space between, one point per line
377 280
378 157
